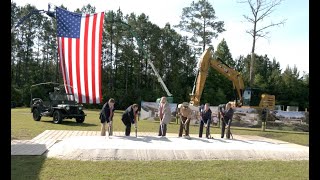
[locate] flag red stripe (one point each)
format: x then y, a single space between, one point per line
66 64
70 64
86 58
63 70
78 70
100 47
93 59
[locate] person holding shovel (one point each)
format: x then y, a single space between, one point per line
227 116
106 115
164 112
128 118
205 120
185 117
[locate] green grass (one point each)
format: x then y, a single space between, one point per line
29 167
23 127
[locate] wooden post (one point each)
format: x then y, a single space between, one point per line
263 126
264 119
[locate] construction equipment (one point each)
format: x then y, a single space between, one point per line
163 85
246 98
140 44
36 11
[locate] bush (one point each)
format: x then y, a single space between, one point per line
301 127
16 97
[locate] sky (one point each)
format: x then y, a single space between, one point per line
288 43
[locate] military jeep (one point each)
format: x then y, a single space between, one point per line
59 105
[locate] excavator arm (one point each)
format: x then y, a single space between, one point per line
207 60
203 67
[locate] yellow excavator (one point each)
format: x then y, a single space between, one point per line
246 97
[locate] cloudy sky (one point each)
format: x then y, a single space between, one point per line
288 44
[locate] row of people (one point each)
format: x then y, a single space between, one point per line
130 115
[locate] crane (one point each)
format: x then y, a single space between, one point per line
36 11
163 85
159 78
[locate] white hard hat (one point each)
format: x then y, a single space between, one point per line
185 104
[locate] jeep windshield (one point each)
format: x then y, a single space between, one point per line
61 97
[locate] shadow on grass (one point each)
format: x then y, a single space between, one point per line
71 123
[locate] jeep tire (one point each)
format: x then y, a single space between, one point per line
36 114
80 119
57 117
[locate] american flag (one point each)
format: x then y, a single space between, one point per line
79 47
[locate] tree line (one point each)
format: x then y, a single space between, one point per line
126 75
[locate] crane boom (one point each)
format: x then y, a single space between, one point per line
159 78
36 11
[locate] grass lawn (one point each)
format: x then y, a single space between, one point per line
23 127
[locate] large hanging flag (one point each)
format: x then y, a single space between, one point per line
79 48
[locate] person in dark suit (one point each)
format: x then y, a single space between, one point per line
227 116
205 114
128 118
106 115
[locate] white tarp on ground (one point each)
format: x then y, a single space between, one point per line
174 148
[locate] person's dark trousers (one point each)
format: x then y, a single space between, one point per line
228 132
128 127
181 126
223 127
164 126
207 129
201 128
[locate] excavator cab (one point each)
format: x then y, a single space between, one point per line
253 97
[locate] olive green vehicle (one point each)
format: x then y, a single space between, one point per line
56 104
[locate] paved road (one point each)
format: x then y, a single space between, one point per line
88 145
